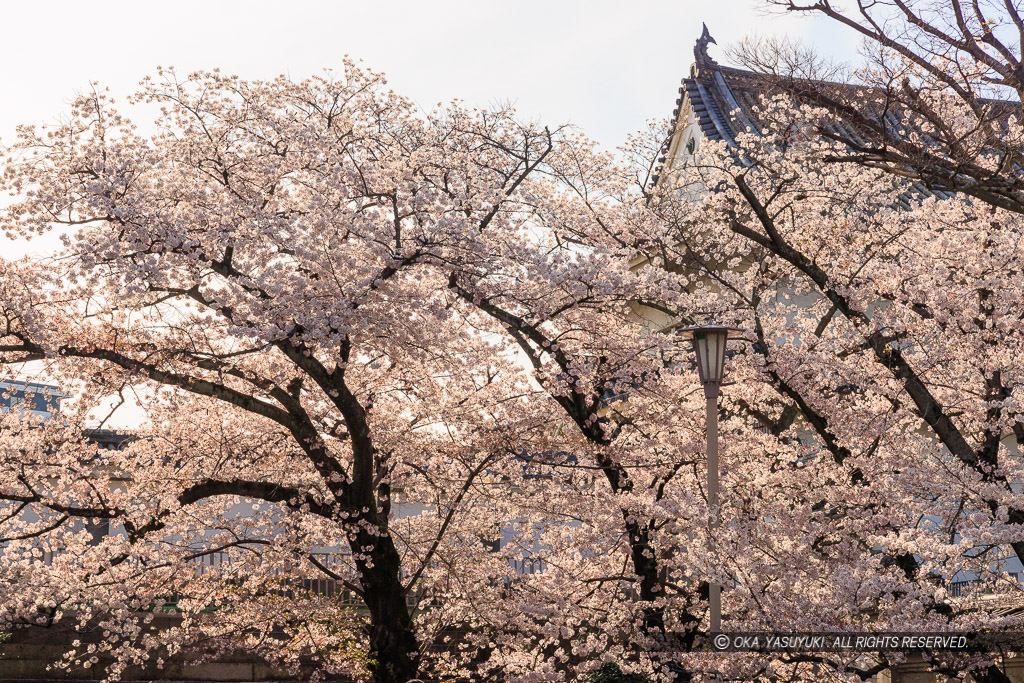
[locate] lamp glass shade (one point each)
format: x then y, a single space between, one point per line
709 343
710 348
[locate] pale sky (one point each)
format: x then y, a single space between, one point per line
606 66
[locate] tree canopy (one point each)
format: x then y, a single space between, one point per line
370 341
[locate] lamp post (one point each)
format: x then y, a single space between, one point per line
709 345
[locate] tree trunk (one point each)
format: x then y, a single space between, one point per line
393 648
990 674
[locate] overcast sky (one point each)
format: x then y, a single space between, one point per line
606 66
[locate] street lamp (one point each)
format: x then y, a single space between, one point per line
709 345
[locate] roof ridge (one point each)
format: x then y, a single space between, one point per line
700 50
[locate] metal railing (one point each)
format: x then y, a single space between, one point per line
526 566
1007 583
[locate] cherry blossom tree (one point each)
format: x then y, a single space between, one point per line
325 301
430 356
887 322
943 89
937 104
848 505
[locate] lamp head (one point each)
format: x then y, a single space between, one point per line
709 343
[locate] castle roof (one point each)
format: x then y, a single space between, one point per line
724 102
722 98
